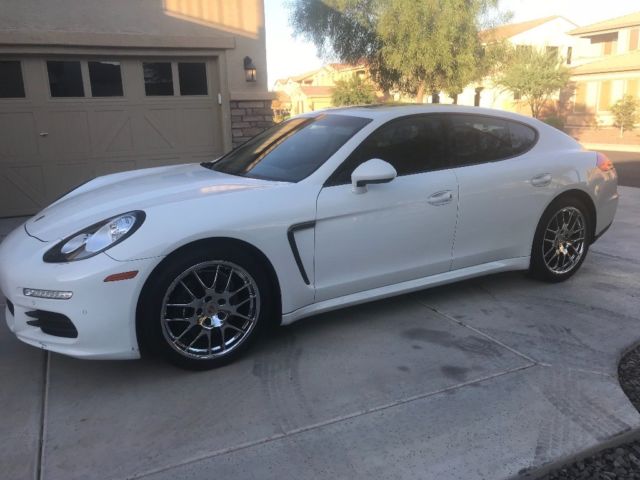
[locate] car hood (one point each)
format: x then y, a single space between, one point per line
112 195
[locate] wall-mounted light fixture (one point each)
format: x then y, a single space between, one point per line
249 70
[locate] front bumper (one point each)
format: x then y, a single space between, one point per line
103 313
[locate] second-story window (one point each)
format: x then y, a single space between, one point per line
634 39
609 47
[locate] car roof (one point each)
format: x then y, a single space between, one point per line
387 111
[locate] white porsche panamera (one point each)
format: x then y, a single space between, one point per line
323 211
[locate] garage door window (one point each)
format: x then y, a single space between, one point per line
106 79
158 79
11 85
193 78
65 79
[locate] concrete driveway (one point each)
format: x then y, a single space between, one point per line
482 379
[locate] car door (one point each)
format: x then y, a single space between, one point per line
397 231
502 187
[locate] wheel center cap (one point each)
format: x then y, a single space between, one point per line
212 316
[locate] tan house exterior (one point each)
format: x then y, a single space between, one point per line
89 87
313 90
609 68
551 33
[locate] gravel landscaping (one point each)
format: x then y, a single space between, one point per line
623 461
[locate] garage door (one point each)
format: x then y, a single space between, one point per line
65 120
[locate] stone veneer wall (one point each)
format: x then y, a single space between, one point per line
249 118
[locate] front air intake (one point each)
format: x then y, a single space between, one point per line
52 323
10 307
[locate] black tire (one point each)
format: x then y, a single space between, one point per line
154 333
539 268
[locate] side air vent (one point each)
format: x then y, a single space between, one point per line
52 323
10 306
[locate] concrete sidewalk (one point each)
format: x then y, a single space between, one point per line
488 378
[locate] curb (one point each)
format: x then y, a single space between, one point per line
615 441
628 436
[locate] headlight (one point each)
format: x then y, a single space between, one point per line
95 239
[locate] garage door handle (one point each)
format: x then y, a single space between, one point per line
44 134
541 180
441 198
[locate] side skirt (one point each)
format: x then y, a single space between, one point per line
521 263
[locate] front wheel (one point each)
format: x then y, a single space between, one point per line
561 241
203 309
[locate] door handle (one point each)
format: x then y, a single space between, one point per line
43 134
441 198
541 180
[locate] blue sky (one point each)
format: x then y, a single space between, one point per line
287 55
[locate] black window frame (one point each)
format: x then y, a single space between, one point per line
180 78
335 179
171 77
81 84
91 83
22 89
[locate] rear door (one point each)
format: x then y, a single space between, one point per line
396 231
503 188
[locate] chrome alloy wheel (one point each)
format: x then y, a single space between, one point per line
563 242
210 309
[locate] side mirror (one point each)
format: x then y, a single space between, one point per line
372 171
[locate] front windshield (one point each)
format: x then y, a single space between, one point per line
291 150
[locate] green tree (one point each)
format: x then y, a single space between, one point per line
535 75
625 112
354 91
416 47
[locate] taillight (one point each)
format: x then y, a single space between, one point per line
603 162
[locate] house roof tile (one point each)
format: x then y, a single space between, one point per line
630 20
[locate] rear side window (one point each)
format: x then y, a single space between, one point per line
478 139
522 137
412 145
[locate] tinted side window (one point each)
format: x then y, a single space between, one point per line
65 79
522 137
11 85
478 139
412 144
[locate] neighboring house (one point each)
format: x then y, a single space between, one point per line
314 90
89 87
550 33
609 67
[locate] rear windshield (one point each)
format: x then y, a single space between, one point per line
291 150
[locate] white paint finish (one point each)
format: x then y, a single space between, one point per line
500 207
406 287
102 312
387 235
386 241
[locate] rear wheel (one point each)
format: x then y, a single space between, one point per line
561 241
204 309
